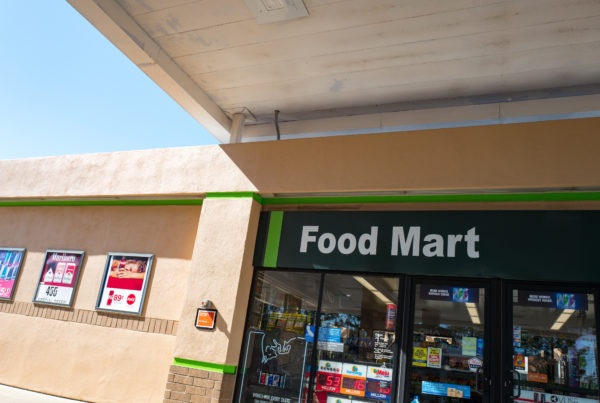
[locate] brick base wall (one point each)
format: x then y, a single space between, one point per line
198 386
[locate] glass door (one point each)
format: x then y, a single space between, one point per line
357 332
553 352
447 357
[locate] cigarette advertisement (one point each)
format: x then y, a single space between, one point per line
124 284
58 278
10 266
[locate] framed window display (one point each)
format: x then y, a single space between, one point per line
59 277
124 284
11 260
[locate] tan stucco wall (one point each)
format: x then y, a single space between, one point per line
206 252
222 273
168 232
83 361
88 361
529 155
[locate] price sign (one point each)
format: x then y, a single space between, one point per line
353 386
379 383
58 278
328 382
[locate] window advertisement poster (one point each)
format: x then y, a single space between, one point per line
59 277
123 287
469 346
379 383
452 294
445 389
10 267
354 379
557 300
329 376
419 356
434 357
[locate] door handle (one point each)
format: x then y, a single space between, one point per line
510 382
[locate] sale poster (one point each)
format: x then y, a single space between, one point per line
419 356
58 278
125 281
10 266
434 357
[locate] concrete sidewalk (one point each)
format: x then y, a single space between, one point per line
9 394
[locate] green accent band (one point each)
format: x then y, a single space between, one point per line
141 202
273 237
207 366
492 197
234 195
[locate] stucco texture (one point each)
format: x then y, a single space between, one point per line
83 361
552 154
222 273
168 232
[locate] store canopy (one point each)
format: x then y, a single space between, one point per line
350 66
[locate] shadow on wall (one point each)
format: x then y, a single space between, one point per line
510 156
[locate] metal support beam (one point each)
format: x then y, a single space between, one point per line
237 128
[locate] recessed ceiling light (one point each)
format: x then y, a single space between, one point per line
267 11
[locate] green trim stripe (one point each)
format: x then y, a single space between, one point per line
273 238
234 195
207 366
450 198
141 202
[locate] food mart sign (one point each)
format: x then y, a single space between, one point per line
540 245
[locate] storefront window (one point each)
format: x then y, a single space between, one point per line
276 360
554 346
447 347
355 357
355 352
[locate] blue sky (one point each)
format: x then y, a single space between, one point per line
65 89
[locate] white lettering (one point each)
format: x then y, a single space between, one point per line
471 239
435 247
413 238
321 243
62 258
306 237
346 238
452 241
371 239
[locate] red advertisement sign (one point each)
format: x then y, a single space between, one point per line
124 285
59 277
10 266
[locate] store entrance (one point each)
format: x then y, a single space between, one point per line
501 341
553 349
449 342
347 337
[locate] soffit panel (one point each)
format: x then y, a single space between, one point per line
360 53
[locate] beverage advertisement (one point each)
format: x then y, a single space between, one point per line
453 294
58 278
558 300
125 281
10 266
